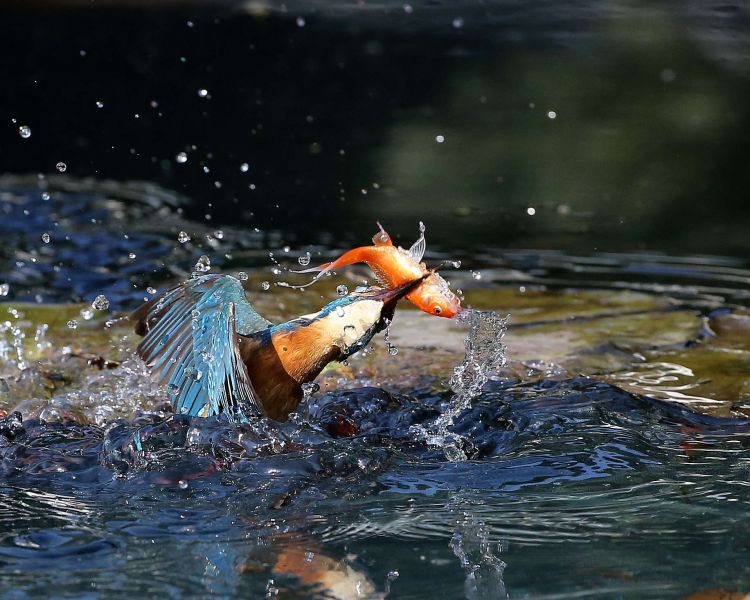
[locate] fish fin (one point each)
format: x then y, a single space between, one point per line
190 346
381 238
380 275
417 249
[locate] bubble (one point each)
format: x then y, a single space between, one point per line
87 313
4 289
531 211
99 104
242 276
45 196
408 9
183 237
203 265
131 255
551 114
439 139
350 330
183 484
300 22
45 238
458 23
340 311
172 389
203 93
342 290
24 131
150 290
72 324
100 302
181 157
476 274
266 286
392 350
62 167
304 260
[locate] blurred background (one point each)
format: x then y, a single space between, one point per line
588 126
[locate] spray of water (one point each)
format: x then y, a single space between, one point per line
485 354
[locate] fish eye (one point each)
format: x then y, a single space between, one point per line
437 310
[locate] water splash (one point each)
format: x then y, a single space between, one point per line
485 354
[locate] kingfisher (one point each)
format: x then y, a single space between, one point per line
215 354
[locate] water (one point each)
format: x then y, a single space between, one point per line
479 455
583 164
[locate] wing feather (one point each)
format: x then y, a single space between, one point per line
190 345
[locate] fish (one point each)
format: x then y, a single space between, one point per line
394 266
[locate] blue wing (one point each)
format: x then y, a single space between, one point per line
190 345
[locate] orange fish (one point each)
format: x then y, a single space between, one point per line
395 266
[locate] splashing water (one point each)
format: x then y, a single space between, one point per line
485 354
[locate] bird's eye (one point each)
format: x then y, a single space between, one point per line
437 310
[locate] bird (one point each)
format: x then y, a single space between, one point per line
205 342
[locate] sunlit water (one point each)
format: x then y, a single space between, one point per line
489 471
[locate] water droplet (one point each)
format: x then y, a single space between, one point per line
183 484
242 276
309 388
99 104
100 302
181 157
458 22
183 237
72 324
350 330
87 313
244 167
45 238
392 350
24 131
219 234
4 289
266 286
304 260
340 311
150 290
61 166
203 265
342 290
300 22
203 93
439 139
172 389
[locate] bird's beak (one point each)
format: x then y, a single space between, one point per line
393 294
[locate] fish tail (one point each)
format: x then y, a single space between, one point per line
348 258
